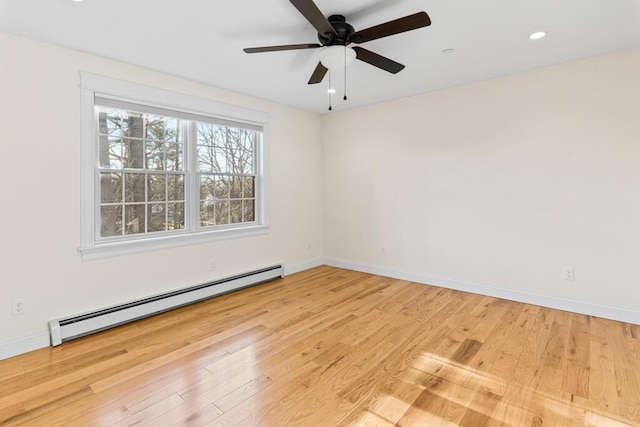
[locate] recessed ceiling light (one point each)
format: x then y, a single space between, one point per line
538 35
448 51
331 91
78 1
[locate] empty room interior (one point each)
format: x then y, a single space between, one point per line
312 213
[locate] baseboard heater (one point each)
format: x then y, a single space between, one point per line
68 328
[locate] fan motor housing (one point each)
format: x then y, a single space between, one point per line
343 30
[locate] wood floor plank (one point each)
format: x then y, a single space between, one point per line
328 347
603 393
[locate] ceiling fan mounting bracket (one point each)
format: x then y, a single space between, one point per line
343 31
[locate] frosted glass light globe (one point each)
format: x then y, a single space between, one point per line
333 57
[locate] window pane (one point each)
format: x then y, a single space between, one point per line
221 212
207 186
172 130
175 187
174 157
235 187
155 155
222 186
157 217
133 124
157 186
110 187
236 211
206 214
110 152
133 153
248 186
110 122
110 221
134 187
155 128
249 210
175 216
134 219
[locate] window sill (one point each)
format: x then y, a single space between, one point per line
111 249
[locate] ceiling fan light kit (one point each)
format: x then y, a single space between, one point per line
335 35
336 56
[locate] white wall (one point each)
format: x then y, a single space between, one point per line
40 190
500 183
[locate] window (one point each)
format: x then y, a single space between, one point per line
165 169
141 172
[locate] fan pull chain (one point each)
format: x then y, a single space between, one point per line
329 91
345 73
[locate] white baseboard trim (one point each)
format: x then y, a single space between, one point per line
302 266
590 309
23 345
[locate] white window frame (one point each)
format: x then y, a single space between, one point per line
93 86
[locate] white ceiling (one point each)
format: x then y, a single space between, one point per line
202 40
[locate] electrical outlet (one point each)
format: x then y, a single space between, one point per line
212 265
18 306
568 274
383 251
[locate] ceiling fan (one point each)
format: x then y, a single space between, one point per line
335 34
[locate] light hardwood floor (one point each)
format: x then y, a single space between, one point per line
334 347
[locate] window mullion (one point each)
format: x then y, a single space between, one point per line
192 196
258 211
123 214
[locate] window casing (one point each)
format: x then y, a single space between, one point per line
162 169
